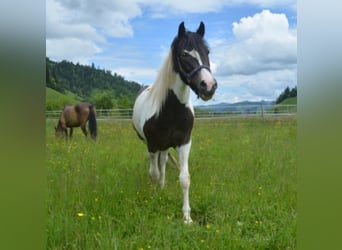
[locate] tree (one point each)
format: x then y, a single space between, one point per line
52 81
287 93
293 92
103 100
84 80
124 102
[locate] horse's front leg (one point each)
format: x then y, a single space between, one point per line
154 170
65 130
184 179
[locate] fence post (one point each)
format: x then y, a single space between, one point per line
262 111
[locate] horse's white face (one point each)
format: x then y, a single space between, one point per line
191 61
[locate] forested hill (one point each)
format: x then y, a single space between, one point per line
87 81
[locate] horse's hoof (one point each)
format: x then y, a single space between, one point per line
188 221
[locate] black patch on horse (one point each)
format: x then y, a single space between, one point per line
174 124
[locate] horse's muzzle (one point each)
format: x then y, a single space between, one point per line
207 91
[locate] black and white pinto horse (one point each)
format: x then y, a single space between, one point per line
163 115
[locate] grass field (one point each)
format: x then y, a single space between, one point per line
242 194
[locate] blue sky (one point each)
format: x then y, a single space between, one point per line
253 43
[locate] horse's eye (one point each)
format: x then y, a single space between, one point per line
183 54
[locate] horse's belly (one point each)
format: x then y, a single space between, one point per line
161 137
73 124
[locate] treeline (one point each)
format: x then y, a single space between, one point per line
100 86
287 93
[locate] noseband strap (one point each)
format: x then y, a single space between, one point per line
192 72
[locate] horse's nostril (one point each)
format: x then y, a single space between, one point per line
203 85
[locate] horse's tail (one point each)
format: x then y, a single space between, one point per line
92 124
173 160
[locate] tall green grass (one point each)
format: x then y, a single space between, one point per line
242 194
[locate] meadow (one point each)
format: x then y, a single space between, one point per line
242 193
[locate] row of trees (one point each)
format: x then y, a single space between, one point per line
104 89
287 93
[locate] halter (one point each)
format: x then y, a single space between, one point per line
188 76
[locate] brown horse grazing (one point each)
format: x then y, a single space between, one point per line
76 116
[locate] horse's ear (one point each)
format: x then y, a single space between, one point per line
201 29
181 29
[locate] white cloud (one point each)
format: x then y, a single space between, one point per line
78 51
110 18
133 73
263 42
87 24
260 60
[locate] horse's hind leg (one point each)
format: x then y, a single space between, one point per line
84 129
71 131
162 163
154 171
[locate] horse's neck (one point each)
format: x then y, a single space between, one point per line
181 90
60 125
168 79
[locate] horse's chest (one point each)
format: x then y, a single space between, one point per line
171 128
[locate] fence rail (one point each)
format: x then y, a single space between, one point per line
236 111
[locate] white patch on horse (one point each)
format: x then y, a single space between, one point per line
195 55
182 92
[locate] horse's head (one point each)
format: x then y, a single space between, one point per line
58 132
191 60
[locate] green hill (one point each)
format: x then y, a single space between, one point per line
91 84
56 100
288 105
289 101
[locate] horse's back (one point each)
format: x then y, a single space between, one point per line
74 116
83 109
